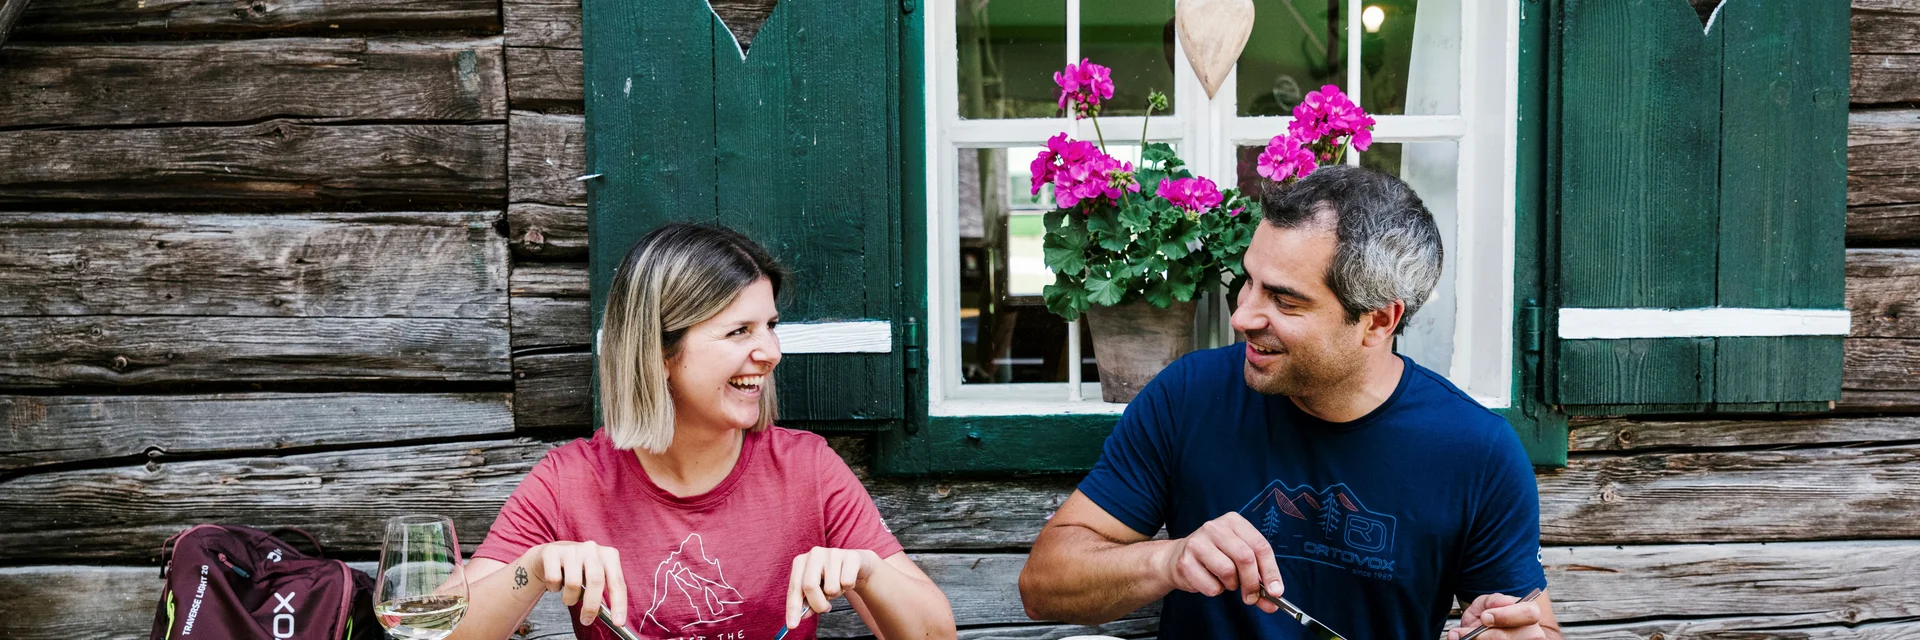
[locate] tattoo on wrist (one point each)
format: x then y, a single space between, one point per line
519 577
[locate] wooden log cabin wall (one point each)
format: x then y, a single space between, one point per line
318 262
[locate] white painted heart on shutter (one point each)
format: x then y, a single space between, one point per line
1213 32
743 18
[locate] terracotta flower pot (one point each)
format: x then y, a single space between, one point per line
1134 341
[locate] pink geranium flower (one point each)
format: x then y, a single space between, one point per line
1080 171
1198 195
1329 112
1083 86
1285 157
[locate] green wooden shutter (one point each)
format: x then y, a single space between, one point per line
796 145
1694 173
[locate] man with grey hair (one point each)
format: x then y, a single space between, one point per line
1312 460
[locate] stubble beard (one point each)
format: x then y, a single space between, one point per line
1303 374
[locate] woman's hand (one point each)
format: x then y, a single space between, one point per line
823 574
583 572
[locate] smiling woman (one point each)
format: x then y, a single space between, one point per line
686 285
726 525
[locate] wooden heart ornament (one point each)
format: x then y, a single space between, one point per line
1213 32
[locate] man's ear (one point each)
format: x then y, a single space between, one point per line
1378 325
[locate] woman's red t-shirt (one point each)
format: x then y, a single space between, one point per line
713 566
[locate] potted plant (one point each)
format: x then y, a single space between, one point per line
1131 247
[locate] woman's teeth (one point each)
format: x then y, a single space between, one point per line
746 383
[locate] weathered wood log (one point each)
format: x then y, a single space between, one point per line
1619 434
1886 26
1886 224
367 265
545 153
550 307
1865 492
1823 582
1884 78
39 430
553 391
551 322
1883 290
1883 157
271 163
245 80
546 79
1782 627
137 17
547 232
1881 373
1708 591
564 280
342 497
156 350
546 24
48 602
1856 492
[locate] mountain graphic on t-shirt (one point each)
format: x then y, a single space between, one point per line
688 586
1289 514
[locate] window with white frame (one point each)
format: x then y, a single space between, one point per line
1437 75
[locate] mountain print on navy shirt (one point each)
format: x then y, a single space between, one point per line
1328 526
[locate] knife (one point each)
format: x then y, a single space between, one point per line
1314 627
618 631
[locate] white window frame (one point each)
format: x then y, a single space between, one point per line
1207 134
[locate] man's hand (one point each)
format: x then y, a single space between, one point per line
1509 618
1225 554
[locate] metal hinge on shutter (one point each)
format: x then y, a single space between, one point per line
1533 340
912 343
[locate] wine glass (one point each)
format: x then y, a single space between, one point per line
422 591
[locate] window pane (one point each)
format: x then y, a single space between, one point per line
1410 57
1009 51
1432 169
1006 332
1135 39
1296 46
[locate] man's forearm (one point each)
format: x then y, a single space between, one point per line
1075 575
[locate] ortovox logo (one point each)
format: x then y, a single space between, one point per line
283 622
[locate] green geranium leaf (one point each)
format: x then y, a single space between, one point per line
1053 219
1139 217
1157 293
1183 283
1065 298
1173 249
1063 254
1105 292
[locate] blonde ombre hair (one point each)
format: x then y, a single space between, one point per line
679 275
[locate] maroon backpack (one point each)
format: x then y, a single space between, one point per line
241 583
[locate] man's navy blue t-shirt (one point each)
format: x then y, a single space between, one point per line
1377 524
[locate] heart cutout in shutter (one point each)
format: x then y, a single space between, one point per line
1706 9
1213 32
743 18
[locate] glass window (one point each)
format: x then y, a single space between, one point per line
1009 50
1441 130
1297 46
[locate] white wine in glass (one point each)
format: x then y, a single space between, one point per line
422 591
